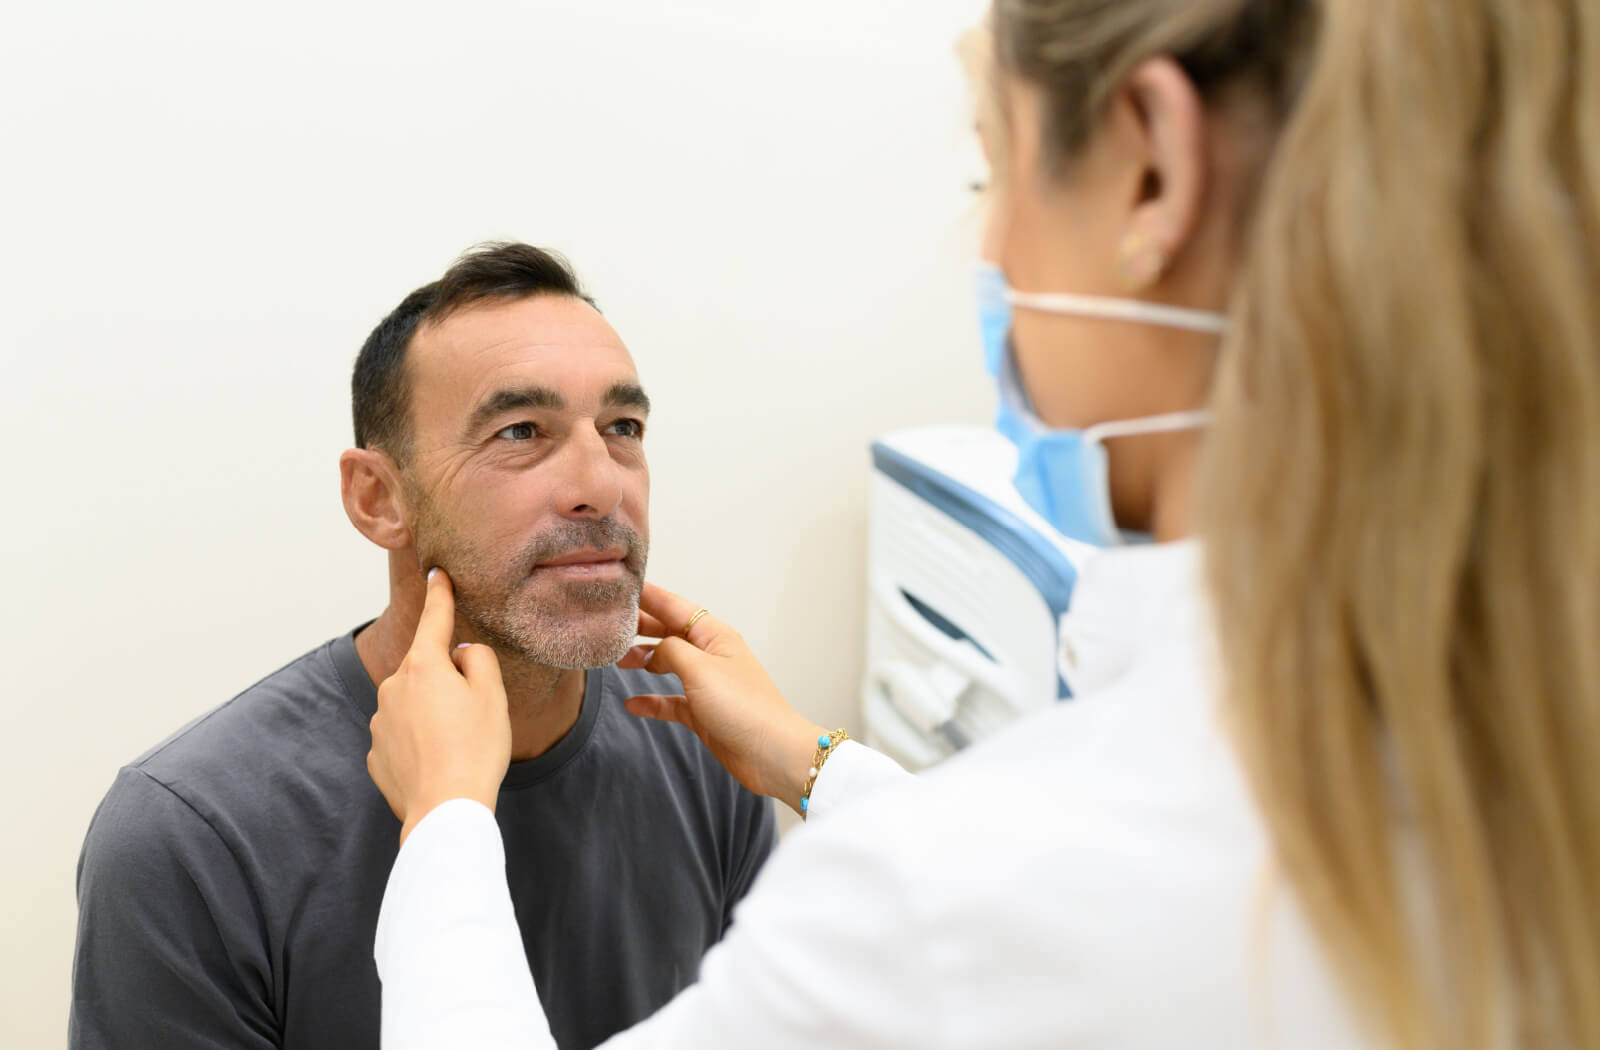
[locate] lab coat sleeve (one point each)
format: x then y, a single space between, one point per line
826 951
448 949
852 773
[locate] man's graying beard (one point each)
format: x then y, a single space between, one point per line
565 625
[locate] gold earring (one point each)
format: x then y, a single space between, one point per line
1140 261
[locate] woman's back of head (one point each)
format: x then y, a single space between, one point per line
1401 502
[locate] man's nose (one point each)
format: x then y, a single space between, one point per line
590 484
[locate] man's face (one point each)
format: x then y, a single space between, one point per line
528 477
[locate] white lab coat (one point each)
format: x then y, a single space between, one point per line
1096 876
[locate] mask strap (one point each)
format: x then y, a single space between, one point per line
1163 423
1136 310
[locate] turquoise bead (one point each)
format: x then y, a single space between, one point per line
805 804
824 740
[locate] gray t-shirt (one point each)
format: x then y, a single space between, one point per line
229 885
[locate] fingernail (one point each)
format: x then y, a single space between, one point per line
432 573
463 645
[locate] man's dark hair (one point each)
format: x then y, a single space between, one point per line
380 393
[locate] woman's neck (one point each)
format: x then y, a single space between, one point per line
1172 488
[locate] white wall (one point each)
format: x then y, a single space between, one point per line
204 207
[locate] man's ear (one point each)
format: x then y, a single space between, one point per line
1170 119
369 483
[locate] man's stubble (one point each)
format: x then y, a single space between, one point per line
499 597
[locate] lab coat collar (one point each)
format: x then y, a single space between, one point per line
1126 600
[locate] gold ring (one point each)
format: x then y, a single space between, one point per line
692 621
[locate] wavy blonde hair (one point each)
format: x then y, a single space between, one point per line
1401 495
1401 505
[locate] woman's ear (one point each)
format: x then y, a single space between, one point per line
1169 122
369 483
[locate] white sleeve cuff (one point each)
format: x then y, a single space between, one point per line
853 772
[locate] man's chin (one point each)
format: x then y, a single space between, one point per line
579 637
584 655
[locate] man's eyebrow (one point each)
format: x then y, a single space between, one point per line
628 395
509 400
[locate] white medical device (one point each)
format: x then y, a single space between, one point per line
966 587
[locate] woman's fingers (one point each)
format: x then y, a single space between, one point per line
671 611
728 699
663 614
438 623
662 708
674 615
478 664
668 656
650 627
637 658
441 730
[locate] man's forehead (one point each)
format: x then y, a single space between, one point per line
555 340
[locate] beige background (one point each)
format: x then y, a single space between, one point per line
204 209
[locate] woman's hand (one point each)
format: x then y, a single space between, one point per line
442 730
728 700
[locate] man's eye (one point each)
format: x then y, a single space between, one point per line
517 432
627 428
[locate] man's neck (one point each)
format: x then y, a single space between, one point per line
544 701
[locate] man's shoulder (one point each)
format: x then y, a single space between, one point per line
284 719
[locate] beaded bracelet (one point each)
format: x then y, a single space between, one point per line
826 744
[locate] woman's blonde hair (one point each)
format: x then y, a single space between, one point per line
1401 494
1401 504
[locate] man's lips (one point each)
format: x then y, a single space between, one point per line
585 565
586 557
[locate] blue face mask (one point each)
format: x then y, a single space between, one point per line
994 316
994 325
1062 474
